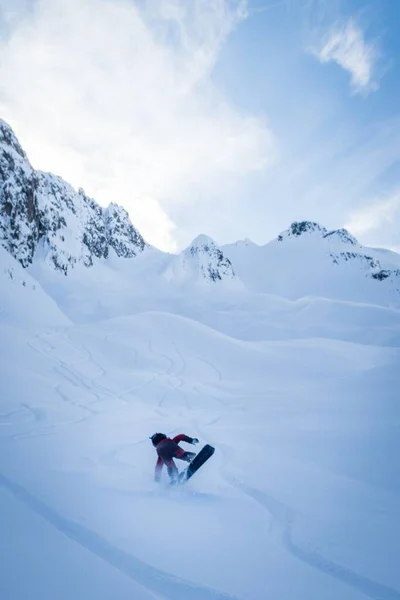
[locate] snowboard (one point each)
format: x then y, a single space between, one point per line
205 453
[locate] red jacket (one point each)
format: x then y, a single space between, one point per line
168 449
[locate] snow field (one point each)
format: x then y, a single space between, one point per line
300 499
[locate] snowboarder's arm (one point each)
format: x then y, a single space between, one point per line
184 438
159 466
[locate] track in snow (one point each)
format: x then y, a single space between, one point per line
164 585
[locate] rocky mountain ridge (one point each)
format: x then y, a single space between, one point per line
43 217
40 209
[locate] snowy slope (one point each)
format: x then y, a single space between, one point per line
200 275
301 499
285 357
390 259
23 303
113 288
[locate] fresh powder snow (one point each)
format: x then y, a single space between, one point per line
284 357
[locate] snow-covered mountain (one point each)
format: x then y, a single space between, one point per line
43 218
309 260
51 228
308 228
203 261
40 211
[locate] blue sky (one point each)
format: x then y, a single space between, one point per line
339 143
229 118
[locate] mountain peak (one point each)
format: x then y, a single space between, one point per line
202 261
9 140
202 240
298 228
121 234
302 228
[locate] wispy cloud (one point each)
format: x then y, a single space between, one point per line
381 212
345 44
116 96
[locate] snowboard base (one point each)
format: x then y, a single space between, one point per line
205 453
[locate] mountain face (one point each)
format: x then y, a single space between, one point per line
19 224
306 228
203 261
39 209
309 260
334 242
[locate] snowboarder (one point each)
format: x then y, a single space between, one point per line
167 449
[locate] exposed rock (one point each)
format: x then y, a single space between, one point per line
41 207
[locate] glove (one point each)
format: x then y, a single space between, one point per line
195 441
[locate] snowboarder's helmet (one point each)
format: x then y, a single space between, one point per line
157 437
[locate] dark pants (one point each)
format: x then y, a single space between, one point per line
172 469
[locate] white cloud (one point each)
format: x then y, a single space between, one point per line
116 97
381 212
345 44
